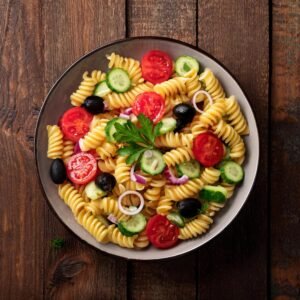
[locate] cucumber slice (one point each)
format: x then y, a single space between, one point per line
93 192
102 89
176 219
213 193
152 162
133 226
118 80
184 64
189 168
168 124
231 172
110 128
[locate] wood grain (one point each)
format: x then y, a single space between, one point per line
234 264
21 74
78 271
175 279
285 159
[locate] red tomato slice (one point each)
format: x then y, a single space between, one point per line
151 104
208 149
82 168
75 123
157 66
161 232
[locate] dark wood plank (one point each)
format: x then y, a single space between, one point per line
21 88
233 266
175 279
285 159
77 271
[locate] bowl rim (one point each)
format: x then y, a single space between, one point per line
109 44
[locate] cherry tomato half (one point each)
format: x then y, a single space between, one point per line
151 104
82 168
157 66
161 232
208 149
75 123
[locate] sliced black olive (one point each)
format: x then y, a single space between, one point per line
58 171
189 207
184 112
106 182
94 105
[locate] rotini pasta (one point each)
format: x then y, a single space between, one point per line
177 156
116 237
55 142
86 87
68 149
173 140
172 87
193 83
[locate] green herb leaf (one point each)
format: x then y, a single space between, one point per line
129 149
146 127
135 156
156 131
128 133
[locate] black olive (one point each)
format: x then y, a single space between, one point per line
106 182
180 124
58 171
184 112
94 105
189 207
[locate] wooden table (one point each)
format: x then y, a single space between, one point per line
258 255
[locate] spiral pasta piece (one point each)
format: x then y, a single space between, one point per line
68 149
189 189
118 238
165 205
197 127
98 119
210 175
94 207
86 87
196 227
106 150
115 100
109 205
173 140
153 194
235 117
193 83
81 191
213 208
213 114
108 165
141 241
93 225
131 65
171 87
177 156
233 139
212 84
71 197
229 187
55 142
94 137
158 181
122 171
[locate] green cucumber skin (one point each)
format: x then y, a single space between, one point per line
100 93
147 170
188 60
129 229
108 128
213 196
111 85
227 178
176 219
124 231
181 170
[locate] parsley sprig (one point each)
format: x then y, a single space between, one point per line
137 139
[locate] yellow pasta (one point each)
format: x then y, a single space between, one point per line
235 116
68 149
55 142
171 87
131 65
116 237
210 175
173 140
115 100
153 194
106 150
107 165
165 205
86 87
141 241
212 84
177 156
196 227
122 171
193 83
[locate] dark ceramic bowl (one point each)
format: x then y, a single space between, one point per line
57 101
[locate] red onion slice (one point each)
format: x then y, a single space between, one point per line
124 116
127 211
136 177
173 179
112 219
128 111
195 99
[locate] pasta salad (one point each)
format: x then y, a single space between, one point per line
149 152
